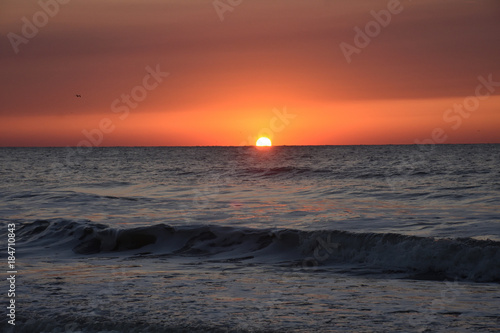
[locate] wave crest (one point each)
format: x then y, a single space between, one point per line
412 256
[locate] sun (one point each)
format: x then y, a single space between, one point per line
263 142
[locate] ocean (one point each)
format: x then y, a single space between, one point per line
396 238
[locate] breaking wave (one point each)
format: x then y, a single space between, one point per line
389 253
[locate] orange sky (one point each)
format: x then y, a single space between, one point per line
271 67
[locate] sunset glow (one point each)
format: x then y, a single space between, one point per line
176 73
263 142
211 165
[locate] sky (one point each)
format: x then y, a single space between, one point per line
224 72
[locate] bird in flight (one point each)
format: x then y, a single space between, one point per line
78 95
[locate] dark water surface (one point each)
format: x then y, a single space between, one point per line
325 238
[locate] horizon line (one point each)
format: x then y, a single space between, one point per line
231 146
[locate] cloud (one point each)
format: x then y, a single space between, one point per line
264 53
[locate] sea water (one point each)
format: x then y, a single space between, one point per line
246 239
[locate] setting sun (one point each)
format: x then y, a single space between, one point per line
263 142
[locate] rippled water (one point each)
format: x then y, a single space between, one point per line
325 238
450 190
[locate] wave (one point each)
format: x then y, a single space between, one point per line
387 253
